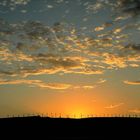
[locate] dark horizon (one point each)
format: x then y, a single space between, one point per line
74 116
69 56
66 128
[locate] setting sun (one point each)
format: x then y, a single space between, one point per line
79 113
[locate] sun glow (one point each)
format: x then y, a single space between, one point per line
77 115
78 112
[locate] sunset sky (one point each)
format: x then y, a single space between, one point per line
70 57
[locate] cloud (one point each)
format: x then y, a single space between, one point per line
96 84
87 71
101 81
23 11
99 28
114 106
135 47
94 7
125 8
37 83
130 6
41 49
132 82
121 18
12 4
86 87
54 86
50 6
134 65
42 84
136 111
58 52
114 60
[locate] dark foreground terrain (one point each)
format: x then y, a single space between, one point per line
59 128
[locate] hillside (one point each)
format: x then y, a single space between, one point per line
60 128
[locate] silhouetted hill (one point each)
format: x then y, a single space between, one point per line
65 128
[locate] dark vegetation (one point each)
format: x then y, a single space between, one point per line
65 128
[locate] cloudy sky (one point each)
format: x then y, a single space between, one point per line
69 57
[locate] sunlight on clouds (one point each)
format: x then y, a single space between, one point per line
86 87
62 47
101 81
114 106
80 47
136 111
114 61
116 31
99 29
132 82
49 52
37 83
89 87
47 85
121 18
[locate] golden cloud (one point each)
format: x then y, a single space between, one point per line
49 52
101 81
37 83
136 111
99 28
114 106
132 82
88 87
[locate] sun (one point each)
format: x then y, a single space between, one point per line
78 113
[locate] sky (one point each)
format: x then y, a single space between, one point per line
69 57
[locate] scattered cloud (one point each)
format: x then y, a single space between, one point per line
50 6
132 82
62 47
130 6
99 29
42 84
94 7
96 84
121 18
12 4
134 47
37 83
23 11
136 111
101 81
86 87
114 106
